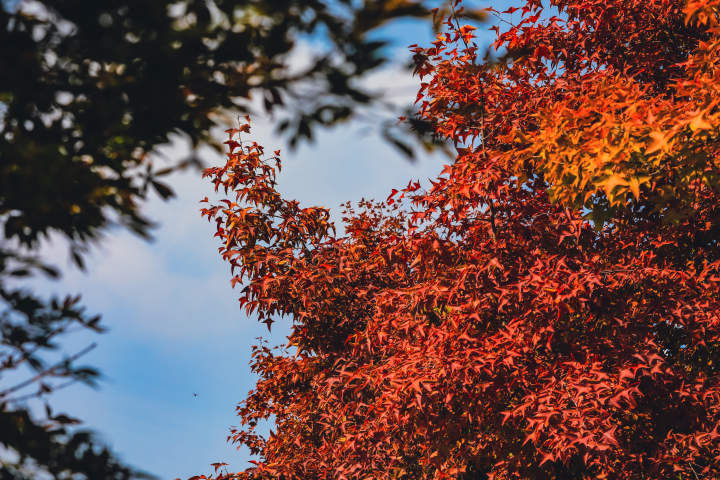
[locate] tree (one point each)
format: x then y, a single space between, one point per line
504 322
88 90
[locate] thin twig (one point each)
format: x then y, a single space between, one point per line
48 371
26 354
40 393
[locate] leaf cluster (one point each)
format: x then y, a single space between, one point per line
528 315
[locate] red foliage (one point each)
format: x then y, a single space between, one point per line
478 329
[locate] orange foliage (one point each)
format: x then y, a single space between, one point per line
484 327
616 104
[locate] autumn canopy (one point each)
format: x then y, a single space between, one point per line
547 308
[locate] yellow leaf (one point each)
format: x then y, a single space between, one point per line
635 183
659 142
611 183
699 123
634 187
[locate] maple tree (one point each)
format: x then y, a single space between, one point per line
546 308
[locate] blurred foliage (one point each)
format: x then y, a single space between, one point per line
62 454
51 449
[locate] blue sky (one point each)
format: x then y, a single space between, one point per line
175 326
